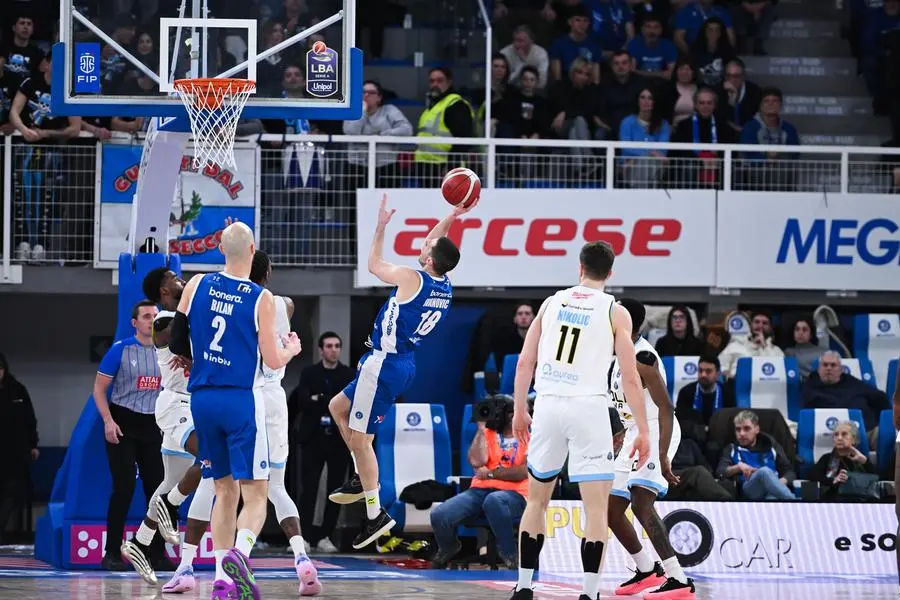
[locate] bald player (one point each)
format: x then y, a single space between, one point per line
229 322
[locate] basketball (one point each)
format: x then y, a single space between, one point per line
319 47
461 186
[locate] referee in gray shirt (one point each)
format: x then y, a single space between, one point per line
129 424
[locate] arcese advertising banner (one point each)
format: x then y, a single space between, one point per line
205 200
772 538
531 238
663 238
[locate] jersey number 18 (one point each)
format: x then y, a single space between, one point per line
564 333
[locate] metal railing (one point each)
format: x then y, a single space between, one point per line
308 183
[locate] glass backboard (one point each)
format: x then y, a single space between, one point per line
299 52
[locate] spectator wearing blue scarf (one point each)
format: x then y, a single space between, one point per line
698 401
757 462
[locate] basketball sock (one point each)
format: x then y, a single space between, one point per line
220 572
673 569
298 547
373 505
244 541
529 550
188 554
144 534
642 561
355 468
175 497
591 557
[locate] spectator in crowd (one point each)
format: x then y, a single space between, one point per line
654 56
508 339
754 21
18 444
448 114
523 52
711 51
503 100
498 492
533 113
690 19
269 70
804 346
700 168
877 22
830 387
19 57
319 437
695 478
379 119
659 10
677 96
612 24
743 97
756 462
536 15
769 170
642 168
296 16
621 90
680 339
577 44
760 342
113 67
843 464
31 116
698 401
577 105
559 12
125 391
144 51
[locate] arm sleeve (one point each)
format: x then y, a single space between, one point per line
819 471
400 125
31 419
109 366
724 461
785 468
180 343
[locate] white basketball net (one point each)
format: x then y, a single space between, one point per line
214 107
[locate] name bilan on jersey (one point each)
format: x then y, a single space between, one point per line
174 379
577 343
401 326
224 323
618 393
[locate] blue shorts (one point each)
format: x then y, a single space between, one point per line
380 379
231 433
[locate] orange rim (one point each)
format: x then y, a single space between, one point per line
210 92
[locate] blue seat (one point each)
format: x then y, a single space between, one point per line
768 382
860 368
877 337
467 431
680 371
891 378
886 439
413 445
815 428
508 374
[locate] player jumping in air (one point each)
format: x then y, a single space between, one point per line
417 305
641 486
572 342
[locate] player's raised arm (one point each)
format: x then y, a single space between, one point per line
402 277
443 226
273 356
631 381
180 342
653 381
524 374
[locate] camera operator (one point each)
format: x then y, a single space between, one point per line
319 438
498 488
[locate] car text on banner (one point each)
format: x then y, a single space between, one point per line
205 200
531 238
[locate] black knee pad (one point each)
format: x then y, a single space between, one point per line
591 555
530 549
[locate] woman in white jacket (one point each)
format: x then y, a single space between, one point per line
758 343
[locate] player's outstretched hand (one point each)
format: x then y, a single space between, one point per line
181 362
641 447
666 468
522 426
384 215
292 343
459 209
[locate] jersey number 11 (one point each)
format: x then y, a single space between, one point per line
564 332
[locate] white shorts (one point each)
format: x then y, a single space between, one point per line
576 427
276 424
650 475
173 417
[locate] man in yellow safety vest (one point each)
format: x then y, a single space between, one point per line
448 115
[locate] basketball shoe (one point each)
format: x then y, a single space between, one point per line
237 566
673 589
642 581
308 576
139 556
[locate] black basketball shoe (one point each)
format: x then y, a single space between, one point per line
373 529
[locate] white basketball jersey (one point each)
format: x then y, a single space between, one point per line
618 392
577 343
282 327
173 379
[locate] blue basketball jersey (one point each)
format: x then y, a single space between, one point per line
401 326
224 323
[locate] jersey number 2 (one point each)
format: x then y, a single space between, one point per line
429 321
219 324
564 332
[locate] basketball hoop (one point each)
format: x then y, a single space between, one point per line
214 107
